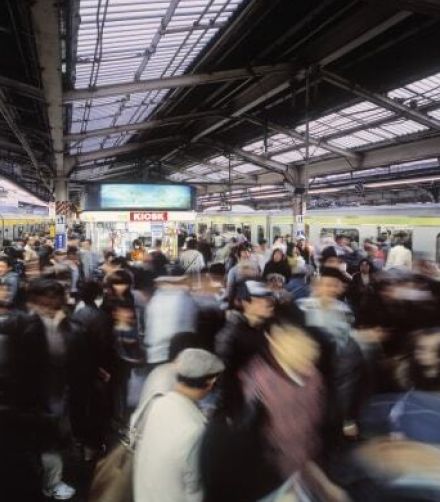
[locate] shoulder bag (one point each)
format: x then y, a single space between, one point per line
113 477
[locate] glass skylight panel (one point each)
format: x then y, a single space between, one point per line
287 157
247 168
144 39
423 92
402 127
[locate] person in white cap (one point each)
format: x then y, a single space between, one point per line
166 466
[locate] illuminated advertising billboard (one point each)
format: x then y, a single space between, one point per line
142 196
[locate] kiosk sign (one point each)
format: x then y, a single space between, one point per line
148 217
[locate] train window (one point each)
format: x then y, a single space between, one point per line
351 233
437 249
276 232
247 232
203 227
260 233
228 228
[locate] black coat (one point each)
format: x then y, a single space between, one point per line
281 267
236 343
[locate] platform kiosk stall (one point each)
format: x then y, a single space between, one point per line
116 214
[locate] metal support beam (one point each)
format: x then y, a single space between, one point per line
122 150
266 163
379 157
22 88
380 100
7 115
46 26
174 82
427 7
302 137
324 50
142 126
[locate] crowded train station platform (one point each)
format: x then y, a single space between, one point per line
220 251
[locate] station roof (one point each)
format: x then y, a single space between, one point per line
218 91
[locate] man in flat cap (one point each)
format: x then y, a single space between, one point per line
166 467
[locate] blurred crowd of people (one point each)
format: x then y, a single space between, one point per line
295 371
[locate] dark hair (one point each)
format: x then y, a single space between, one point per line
191 244
332 272
261 242
278 250
49 288
8 260
158 242
118 261
240 249
119 277
217 269
109 254
72 250
196 383
181 341
239 230
137 242
366 260
89 291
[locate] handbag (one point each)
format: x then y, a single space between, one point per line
113 476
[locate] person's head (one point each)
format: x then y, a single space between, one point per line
109 256
60 256
263 244
239 231
301 243
426 349
342 240
191 244
277 256
181 341
329 258
86 244
46 296
275 282
158 243
243 252
89 291
72 253
137 244
6 265
292 348
119 282
365 267
197 371
256 300
329 285
123 313
117 263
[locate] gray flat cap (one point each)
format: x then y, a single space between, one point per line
198 363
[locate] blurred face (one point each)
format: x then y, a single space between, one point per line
277 256
332 262
123 315
120 289
260 308
47 307
293 348
364 268
245 254
4 269
426 352
85 245
328 288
